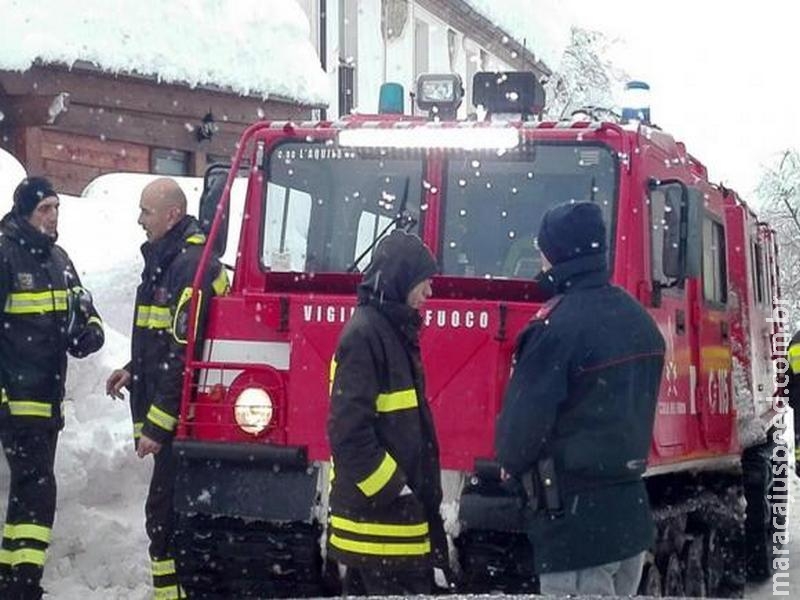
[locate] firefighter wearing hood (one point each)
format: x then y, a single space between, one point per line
45 314
385 525
578 414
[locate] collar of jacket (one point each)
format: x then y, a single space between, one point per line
159 254
578 273
17 228
406 320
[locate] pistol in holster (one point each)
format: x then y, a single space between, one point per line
541 487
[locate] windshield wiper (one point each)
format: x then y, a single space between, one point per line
403 219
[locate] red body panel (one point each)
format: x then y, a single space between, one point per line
471 325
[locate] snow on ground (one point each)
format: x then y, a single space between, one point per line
258 47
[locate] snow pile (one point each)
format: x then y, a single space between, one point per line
258 47
11 173
542 26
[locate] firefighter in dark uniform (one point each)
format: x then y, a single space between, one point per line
578 414
158 345
384 523
794 394
46 314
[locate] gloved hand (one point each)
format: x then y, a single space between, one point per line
79 310
89 340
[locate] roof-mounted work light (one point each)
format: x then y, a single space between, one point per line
441 95
508 92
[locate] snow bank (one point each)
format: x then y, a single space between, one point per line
258 47
11 173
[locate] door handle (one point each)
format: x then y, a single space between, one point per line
680 321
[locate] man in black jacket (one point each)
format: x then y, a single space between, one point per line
46 313
578 414
158 347
794 394
384 524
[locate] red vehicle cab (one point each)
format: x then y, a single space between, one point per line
252 484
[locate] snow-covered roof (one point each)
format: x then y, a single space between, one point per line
543 26
253 47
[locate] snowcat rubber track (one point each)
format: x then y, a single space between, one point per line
225 557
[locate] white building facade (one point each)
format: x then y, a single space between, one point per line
364 43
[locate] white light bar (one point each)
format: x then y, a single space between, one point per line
473 138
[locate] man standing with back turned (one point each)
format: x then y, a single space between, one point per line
158 347
578 415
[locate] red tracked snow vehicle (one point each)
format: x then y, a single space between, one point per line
252 482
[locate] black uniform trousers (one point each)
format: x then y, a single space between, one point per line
30 512
160 525
361 581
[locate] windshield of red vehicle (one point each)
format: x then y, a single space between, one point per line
326 206
494 206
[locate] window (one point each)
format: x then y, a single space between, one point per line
421 48
169 162
325 205
665 203
715 272
494 205
757 272
348 54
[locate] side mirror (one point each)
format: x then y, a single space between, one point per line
213 185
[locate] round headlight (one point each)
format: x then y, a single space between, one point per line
253 410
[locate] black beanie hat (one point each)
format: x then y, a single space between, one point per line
572 230
29 193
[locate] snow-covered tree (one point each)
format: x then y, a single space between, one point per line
779 193
586 76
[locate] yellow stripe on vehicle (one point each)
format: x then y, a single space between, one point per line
23 556
379 477
402 400
381 549
163 567
160 418
31 303
28 531
153 317
379 529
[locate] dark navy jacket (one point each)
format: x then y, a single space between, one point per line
583 392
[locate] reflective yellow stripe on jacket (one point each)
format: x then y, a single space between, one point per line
33 303
402 400
26 408
163 567
794 358
161 419
29 556
382 548
28 531
153 317
376 481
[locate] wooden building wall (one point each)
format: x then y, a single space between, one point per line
73 125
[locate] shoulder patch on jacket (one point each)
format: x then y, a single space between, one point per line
547 308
